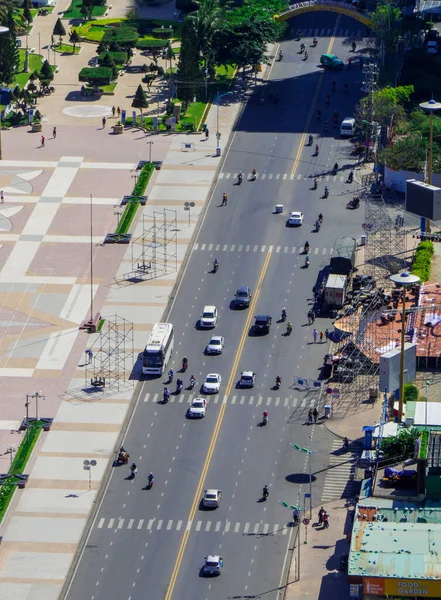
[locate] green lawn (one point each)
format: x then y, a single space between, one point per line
194 114
74 10
110 88
35 62
66 48
94 31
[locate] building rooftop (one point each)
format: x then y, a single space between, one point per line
396 542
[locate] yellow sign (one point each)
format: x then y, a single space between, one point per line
338 8
413 587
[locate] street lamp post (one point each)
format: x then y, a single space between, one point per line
39 43
309 451
26 64
150 143
430 106
403 279
375 126
218 97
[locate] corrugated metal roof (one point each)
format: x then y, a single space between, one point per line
336 281
344 246
400 542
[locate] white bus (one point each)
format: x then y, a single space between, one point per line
158 350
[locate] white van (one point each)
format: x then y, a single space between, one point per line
347 128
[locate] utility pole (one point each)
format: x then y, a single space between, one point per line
370 72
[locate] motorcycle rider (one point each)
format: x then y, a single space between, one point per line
280 54
346 88
317 225
265 415
265 491
134 469
239 177
151 478
306 54
179 384
315 41
320 217
306 264
215 264
299 34
317 149
283 313
306 247
326 194
315 183
346 443
170 375
326 125
166 394
192 381
319 113
302 47
254 173
278 380
184 363
289 326
311 139
335 169
351 176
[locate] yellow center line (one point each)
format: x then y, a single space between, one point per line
313 104
217 427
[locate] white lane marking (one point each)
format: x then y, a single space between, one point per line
169 524
111 522
159 525
101 523
130 523
198 526
140 523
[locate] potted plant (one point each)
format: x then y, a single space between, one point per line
118 128
36 124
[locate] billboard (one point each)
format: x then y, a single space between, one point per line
423 199
390 367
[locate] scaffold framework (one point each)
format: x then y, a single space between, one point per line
155 252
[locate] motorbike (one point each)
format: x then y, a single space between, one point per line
310 140
184 365
123 456
346 88
151 481
215 266
278 383
179 386
317 149
133 471
239 178
306 266
306 249
165 396
306 55
326 193
283 315
254 175
265 493
289 326
335 169
264 419
353 204
350 177
315 184
192 382
315 42
280 55
299 36
317 226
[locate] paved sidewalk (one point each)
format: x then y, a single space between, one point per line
320 575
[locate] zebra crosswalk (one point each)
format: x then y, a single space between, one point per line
200 247
284 177
339 481
264 401
223 527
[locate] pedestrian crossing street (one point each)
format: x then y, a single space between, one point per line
339 481
264 401
284 177
260 249
329 32
194 526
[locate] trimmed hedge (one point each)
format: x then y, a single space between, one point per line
126 36
96 75
132 206
162 33
144 43
422 261
120 58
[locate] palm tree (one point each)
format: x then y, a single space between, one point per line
6 6
205 23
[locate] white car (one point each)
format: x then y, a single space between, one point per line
198 408
247 379
213 565
212 383
208 317
295 218
211 498
216 345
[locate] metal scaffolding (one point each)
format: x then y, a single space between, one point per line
112 357
155 252
385 251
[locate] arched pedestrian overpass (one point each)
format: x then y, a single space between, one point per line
324 5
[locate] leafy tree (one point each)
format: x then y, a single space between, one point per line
400 447
59 29
189 67
140 99
108 61
169 55
7 7
88 6
388 105
27 12
46 71
8 56
74 39
386 23
206 22
411 393
25 98
154 52
408 153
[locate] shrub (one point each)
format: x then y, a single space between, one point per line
96 75
119 58
145 44
422 261
410 393
162 33
125 36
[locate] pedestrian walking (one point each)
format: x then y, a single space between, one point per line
321 512
321 337
310 416
309 317
113 111
42 141
327 334
312 316
296 516
315 414
314 335
118 111
54 132
224 200
2 198
89 356
325 520
207 133
104 122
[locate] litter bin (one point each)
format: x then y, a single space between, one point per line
328 411
363 240
204 127
218 151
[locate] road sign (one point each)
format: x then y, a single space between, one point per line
335 391
306 521
329 390
186 204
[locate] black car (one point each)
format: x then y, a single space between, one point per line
242 296
262 323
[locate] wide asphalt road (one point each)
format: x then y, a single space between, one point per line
151 543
